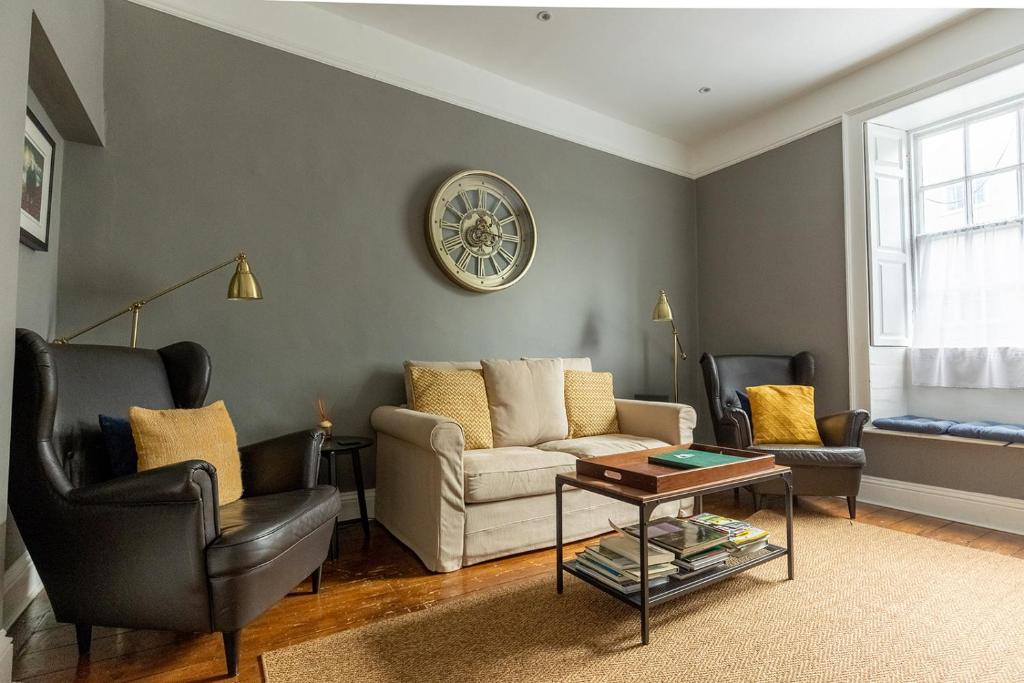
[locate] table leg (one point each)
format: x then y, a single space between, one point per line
698 504
558 535
332 474
357 473
787 480
645 629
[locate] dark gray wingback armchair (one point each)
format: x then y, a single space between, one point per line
153 549
830 470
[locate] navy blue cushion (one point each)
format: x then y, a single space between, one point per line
992 431
117 436
913 423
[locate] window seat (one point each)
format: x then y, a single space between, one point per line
978 430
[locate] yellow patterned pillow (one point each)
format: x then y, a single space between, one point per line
590 403
456 394
783 414
164 437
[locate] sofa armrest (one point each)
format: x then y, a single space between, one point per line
669 422
284 463
420 487
440 434
843 429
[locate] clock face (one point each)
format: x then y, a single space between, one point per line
481 231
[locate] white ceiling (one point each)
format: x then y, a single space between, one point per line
644 67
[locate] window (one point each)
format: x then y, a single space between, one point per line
968 251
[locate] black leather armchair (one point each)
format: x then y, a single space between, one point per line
833 469
154 549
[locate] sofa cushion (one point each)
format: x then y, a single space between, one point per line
258 529
590 403
512 472
578 364
795 454
602 444
459 395
526 399
408 365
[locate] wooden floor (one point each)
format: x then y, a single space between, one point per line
373 580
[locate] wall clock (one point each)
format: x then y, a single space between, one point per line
481 231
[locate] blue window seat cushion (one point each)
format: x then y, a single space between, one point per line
993 431
913 423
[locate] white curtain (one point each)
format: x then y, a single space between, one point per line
969 319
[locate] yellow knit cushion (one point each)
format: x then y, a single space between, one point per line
459 395
590 404
783 414
164 437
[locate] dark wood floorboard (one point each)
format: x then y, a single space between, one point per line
373 579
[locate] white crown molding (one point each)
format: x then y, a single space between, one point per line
979 39
979 509
323 36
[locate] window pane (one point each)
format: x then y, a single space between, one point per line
992 143
994 197
944 208
942 157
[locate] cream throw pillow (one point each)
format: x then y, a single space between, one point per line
459 395
526 400
165 437
590 404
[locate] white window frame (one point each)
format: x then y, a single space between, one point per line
963 120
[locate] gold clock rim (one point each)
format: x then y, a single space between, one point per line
437 258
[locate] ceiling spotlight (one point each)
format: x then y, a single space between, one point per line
544 15
703 90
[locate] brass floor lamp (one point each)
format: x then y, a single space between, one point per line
663 313
243 286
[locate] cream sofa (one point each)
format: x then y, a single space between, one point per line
455 507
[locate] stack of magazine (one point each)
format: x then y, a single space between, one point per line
744 538
677 548
615 562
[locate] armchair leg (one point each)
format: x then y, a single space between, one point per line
83 634
851 504
231 642
315 578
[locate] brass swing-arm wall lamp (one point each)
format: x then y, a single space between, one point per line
663 313
243 286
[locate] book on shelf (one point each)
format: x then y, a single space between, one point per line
708 558
741 533
628 545
619 568
680 536
627 588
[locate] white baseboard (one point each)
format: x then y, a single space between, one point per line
21 585
979 509
350 505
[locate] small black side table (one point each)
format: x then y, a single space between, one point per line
329 451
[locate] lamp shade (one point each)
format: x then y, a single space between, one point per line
243 283
662 311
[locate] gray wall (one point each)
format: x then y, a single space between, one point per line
771 259
324 177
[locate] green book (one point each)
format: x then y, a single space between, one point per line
688 459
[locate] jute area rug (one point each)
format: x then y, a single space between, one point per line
868 604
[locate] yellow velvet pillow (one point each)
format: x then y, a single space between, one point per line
590 403
164 437
456 394
783 414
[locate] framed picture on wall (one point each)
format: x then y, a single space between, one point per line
36 184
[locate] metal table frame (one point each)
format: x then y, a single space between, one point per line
646 502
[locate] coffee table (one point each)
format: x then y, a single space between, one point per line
646 502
